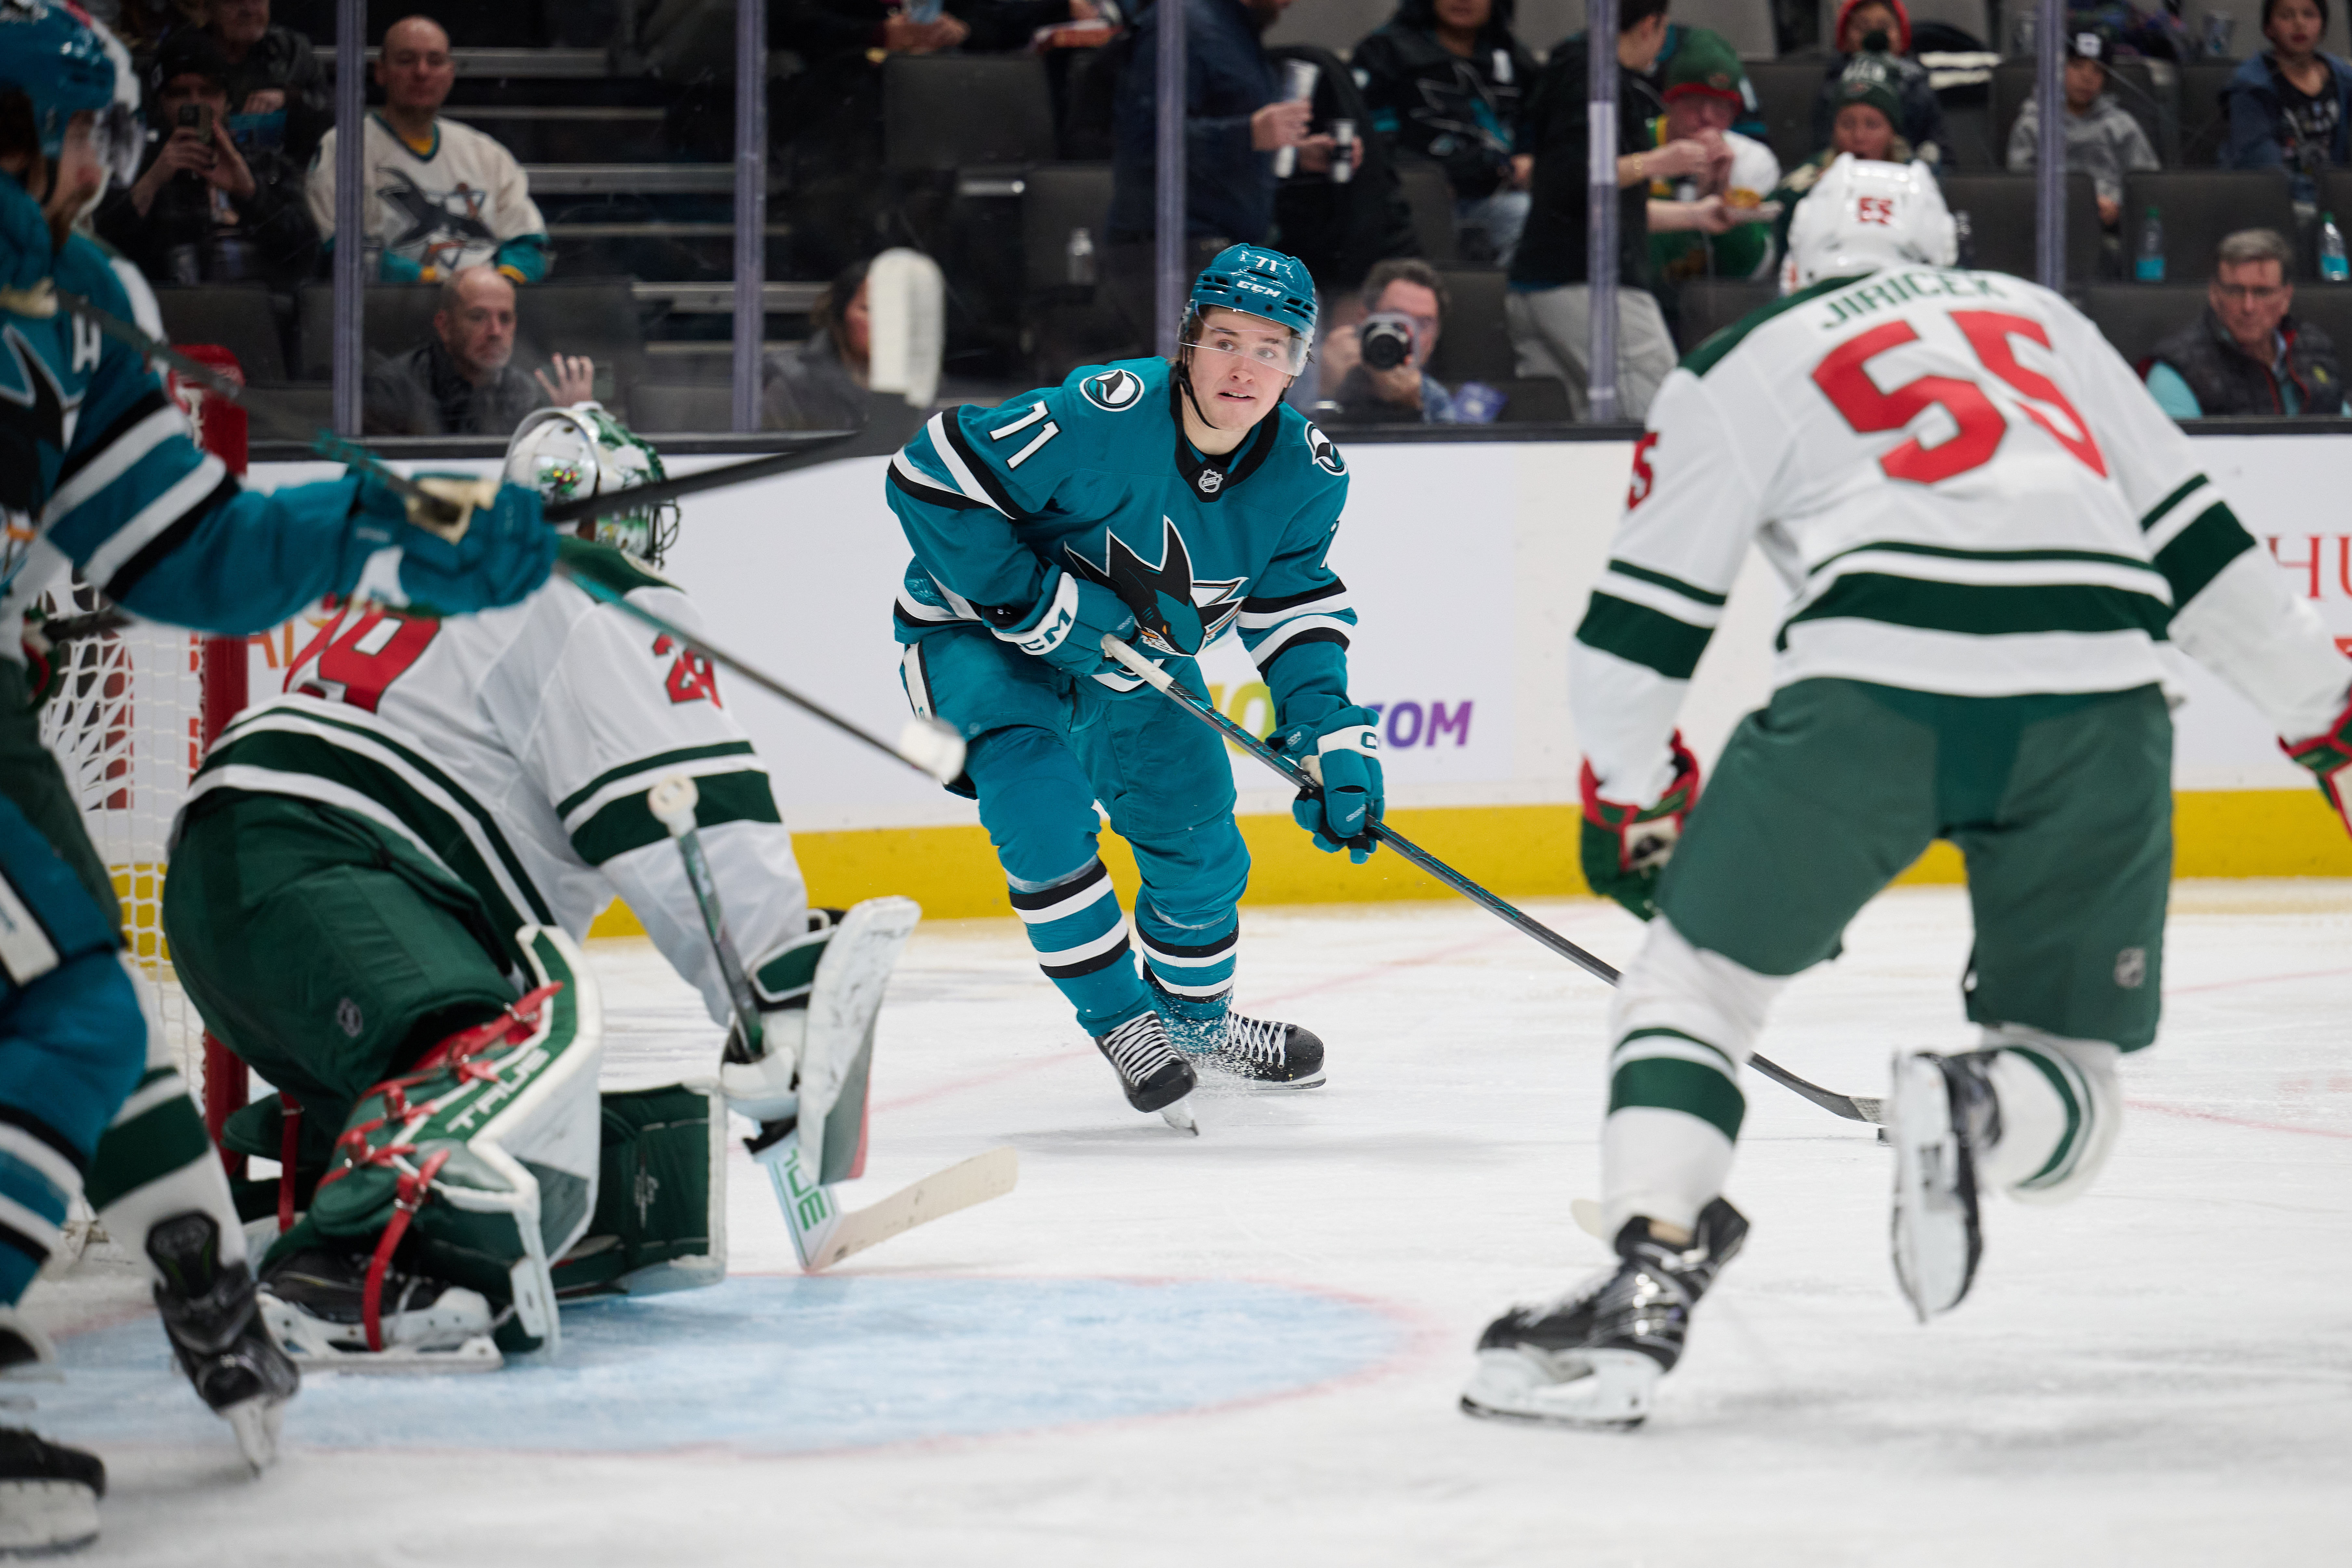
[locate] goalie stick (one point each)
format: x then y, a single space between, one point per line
823 1232
1854 1108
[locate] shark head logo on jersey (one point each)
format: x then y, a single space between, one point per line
1860 217
1115 391
1172 613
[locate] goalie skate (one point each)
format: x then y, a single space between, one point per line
1938 1112
1593 1358
313 1301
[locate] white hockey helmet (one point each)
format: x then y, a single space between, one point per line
1860 216
582 450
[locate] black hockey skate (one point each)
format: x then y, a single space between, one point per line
1153 1072
211 1314
1939 1113
315 1301
1257 1053
48 1495
1593 1358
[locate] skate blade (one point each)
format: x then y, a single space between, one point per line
1227 1080
1606 1391
256 1423
1933 1227
45 1518
1180 1116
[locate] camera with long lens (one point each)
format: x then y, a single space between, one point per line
1386 341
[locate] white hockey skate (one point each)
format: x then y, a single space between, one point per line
1593 1358
1939 1113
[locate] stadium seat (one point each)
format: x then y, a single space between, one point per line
2155 104
661 406
2336 197
1746 24
1533 400
1337 26
941 112
1429 195
2135 317
238 317
1785 92
2204 119
2001 220
1476 344
1711 304
279 410
2198 206
1055 200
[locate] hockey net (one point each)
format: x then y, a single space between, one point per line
129 724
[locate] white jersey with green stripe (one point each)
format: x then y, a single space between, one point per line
516 747
1962 488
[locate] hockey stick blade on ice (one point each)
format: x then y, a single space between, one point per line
823 1232
1852 1108
926 745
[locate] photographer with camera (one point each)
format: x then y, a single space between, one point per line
1405 304
199 212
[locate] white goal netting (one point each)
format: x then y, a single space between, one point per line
127 726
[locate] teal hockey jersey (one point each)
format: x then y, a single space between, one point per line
1095 477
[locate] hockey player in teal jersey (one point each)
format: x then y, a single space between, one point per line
1167 503
98 473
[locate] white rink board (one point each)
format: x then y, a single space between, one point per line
1469 565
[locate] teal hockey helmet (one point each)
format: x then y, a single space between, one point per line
50 53
1261 282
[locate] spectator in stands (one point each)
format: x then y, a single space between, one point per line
1405 299
1704 92
464 381
2103 140
1548 305
442 196
1234 122
1882 28
1864 126
276 81
2246 354
2291 105
1444 81
199 212
820 385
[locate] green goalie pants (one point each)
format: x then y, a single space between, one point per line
2062 809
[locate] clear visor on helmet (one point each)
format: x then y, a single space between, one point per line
117 138
1252 338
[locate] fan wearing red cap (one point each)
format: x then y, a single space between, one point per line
1882 28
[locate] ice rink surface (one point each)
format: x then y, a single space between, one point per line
1246 1348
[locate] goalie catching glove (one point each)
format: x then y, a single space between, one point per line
2328 754
1625 846
1341 752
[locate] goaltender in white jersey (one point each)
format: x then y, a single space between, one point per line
374 897
1985 528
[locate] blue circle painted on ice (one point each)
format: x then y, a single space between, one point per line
782 1366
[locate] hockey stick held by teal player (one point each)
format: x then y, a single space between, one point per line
1852 1108
926 745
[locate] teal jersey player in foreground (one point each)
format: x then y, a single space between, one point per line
1167 503
98 475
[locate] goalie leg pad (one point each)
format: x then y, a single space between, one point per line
660 1223
480 1164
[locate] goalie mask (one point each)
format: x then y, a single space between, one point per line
1863 215
563 453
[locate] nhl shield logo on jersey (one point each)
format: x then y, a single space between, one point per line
1326 456
1115 391
1172 613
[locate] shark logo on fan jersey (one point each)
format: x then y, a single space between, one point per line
1115 391
1174 612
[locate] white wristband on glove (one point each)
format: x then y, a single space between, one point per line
1054 624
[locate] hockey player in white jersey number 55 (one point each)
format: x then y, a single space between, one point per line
374 898
1985 526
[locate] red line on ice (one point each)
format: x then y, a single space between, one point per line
2235 1120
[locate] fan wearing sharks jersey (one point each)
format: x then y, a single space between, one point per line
1168 504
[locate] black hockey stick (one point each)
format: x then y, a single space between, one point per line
1852 1108
926 745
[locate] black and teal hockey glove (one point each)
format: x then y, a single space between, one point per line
1342 751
